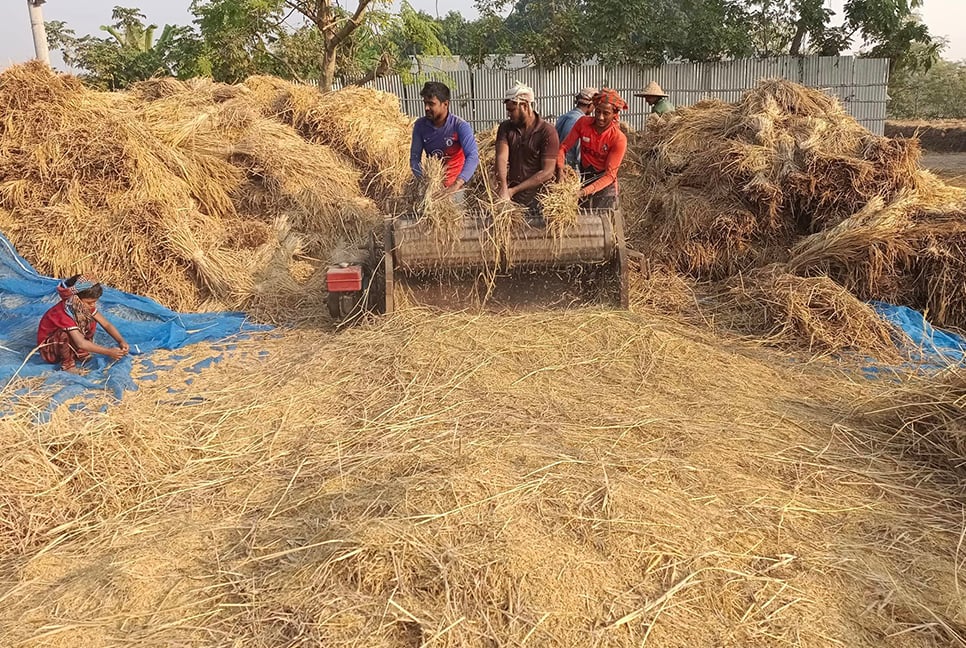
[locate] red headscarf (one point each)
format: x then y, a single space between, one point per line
609 96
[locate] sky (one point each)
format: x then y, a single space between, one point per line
85 17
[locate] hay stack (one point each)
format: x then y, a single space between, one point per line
172 190
364 124
729 181
816 311
89 188
786 175
907 251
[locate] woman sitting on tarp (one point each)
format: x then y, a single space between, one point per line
66 332
602 148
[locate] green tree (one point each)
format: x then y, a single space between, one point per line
936 93
130 54
649 32
312 39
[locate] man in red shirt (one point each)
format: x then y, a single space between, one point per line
602 148
526 150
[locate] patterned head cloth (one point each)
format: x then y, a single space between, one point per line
519 93
77 309
608 96
83 282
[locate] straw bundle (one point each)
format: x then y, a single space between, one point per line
506 220
364 124
558 202
553 479
900 252
815 310
485 177
157 88
439 212
316 188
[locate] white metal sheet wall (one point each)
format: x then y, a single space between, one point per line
859 83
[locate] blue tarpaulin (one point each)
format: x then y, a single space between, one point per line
931 348
146 325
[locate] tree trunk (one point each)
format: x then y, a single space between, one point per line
795 49
327 78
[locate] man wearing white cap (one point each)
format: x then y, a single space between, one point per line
656 98
526 149
583 106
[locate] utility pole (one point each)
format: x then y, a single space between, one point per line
40 32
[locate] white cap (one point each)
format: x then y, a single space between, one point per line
519 92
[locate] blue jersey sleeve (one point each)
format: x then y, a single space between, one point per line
416 152
470 151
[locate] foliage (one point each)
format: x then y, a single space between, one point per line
322 41
936 93
650 32
130 54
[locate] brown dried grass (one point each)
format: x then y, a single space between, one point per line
555 479
812 311
161 177
558 202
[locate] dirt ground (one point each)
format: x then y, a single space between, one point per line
951 167
940 135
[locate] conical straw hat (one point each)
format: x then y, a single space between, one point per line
652 89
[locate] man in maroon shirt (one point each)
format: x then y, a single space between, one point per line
526 150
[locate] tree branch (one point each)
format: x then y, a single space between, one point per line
350 26
382 69
278 59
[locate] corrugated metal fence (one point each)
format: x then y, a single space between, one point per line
860 84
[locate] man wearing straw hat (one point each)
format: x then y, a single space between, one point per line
444 135
656 98
526 150
583 106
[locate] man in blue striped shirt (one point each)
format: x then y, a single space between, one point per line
583 106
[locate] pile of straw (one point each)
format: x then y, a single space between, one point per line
86 188
728 180
786 175
814 311
186 191
364 124
556 479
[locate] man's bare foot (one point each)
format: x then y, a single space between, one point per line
75 371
